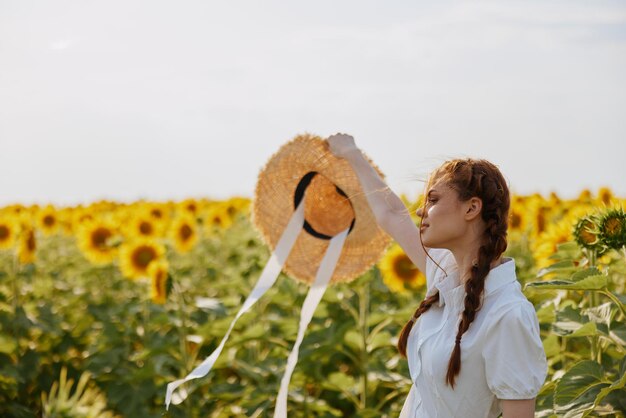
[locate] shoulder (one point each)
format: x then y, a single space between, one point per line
516 312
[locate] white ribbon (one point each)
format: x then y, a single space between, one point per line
268 278
324 273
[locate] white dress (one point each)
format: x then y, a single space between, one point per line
502 356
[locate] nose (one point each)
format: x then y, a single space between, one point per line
420 212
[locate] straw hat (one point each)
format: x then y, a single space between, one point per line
334 202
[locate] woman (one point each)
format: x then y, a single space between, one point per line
473 344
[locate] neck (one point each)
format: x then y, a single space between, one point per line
466 259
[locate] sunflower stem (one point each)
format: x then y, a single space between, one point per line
596 354
593 301
146 323
364 296
183 327
183 335
16 304
306 395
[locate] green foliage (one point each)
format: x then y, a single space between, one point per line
66 314
84 402
582 319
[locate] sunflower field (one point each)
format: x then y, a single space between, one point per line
102 305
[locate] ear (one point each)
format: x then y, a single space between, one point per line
473 208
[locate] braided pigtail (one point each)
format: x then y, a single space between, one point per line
404 334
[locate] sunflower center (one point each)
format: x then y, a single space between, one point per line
157 213
49 220
404 268
586 235
541 221
160 284
606 197
31 244
516 220
100 236
4 232
142 256
185 232
145 228
326 209
216 220
613 226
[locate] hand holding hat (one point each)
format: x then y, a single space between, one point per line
341 145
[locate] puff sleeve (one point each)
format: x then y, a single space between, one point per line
515 361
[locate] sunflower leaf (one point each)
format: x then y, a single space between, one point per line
579 275
579 386
595 282
562 266
587 330
617 385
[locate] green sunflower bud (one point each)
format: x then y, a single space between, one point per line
586 232
612 227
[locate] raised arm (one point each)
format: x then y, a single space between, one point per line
390 212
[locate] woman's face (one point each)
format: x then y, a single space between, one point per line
443 217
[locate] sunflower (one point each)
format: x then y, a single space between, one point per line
540 219
613 228
585 196
399 272
242 204
236 206
184 233
517 218
66 224
16 210
586 232
142 225
81 215
159 213
95 241
546 244
48 220
215 218
137 255
554 199
8 232
605 196
157 271
27 245
189 206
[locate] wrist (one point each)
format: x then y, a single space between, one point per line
352 153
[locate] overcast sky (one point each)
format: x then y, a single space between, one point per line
168 100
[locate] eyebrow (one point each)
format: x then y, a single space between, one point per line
432 191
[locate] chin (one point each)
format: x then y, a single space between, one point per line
433 243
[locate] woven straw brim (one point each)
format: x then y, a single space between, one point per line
273 206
